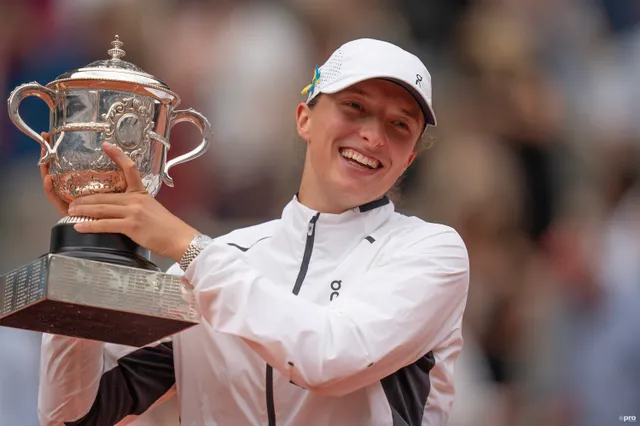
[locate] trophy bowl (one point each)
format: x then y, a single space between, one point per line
101 286
112 101
107 101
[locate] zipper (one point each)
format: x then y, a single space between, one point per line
308 248
304 267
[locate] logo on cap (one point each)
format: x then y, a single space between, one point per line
418 80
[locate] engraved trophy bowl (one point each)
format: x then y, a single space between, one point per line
112 101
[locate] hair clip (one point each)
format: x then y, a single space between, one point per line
314 80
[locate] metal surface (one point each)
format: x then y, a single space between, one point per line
108 101
94 300
112 69
112 101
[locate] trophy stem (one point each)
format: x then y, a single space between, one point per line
117 249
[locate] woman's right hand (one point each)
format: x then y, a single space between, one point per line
60 205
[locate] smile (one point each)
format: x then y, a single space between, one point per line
360 159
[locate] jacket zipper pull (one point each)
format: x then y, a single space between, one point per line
311 226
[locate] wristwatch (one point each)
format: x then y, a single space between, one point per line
198 244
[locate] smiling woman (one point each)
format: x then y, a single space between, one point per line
360 140
357 158
340 297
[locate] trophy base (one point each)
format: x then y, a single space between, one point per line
94 300
117 249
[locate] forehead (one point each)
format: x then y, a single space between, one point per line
386 91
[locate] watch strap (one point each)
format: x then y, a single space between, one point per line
198 244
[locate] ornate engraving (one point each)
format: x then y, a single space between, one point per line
70 186
76 219
103 162
75 127
130 121
117 52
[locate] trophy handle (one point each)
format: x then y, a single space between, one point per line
13 104
200 121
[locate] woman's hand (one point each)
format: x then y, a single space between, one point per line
134 213
47 182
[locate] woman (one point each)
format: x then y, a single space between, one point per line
342 312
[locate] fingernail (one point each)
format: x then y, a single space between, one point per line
79 227
72 210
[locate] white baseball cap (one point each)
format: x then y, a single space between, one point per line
366 58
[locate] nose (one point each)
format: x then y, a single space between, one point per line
372 131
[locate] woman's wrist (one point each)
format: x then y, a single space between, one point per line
198 243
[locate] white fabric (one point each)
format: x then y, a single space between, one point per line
366 58
70 372
399 298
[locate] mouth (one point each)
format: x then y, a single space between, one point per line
360 160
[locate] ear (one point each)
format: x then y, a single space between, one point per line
411 158
303 121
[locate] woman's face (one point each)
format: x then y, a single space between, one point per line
359 142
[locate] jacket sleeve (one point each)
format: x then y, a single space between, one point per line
404 308
70 371
84 382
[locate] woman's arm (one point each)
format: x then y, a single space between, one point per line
84 382
403 309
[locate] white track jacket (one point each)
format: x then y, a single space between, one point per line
312 319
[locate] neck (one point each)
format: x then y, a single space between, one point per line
312 196
316 200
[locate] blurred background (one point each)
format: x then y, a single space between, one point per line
535 162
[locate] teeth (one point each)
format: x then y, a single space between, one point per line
366 161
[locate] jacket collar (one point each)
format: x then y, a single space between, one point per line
374 204
335 232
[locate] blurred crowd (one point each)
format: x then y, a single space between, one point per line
535 162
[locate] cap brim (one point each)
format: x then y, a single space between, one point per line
427 111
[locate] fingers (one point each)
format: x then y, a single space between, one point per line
128 167
100 211
44 168
110 226
57 202
46 136
47 182
111 199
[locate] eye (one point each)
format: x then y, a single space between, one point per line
402 125
354 105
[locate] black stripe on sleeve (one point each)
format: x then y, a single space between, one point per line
238 247
407 391
134 385
247 248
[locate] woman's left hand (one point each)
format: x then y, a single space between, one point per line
134 213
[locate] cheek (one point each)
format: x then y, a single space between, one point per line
337 127
402 156
325 139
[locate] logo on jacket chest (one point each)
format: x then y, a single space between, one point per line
336 285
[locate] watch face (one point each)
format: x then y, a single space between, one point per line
201 241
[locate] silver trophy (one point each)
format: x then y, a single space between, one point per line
101 286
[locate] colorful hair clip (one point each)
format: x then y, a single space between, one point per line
314 80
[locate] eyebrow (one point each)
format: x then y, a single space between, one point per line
411 114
